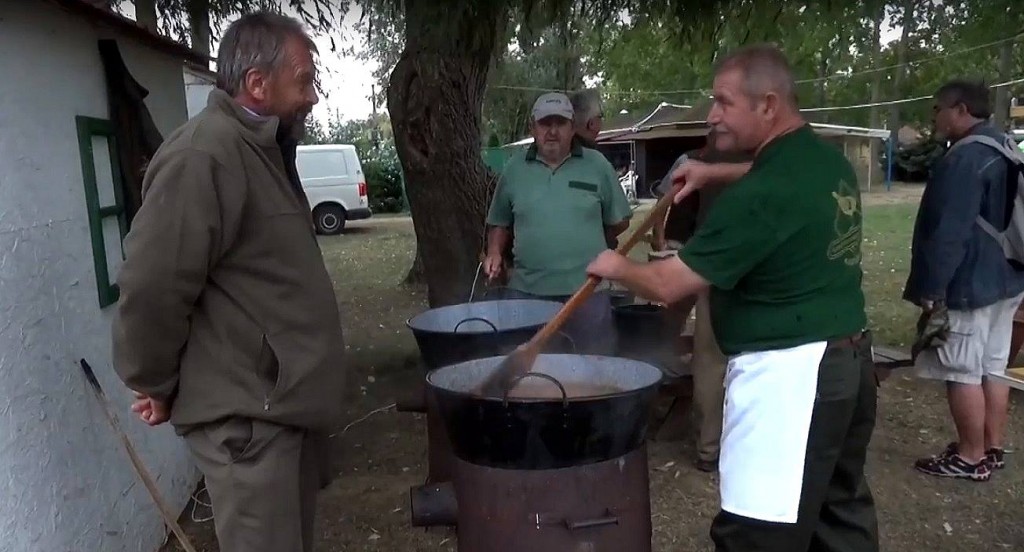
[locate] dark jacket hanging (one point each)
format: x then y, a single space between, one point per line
136 134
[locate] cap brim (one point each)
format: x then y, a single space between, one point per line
542 116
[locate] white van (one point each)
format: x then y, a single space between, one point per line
333 180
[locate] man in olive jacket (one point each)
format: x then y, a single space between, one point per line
227 324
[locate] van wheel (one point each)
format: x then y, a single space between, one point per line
329 219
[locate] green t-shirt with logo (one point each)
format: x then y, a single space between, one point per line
782 249
557 216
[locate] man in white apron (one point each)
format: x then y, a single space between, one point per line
780 254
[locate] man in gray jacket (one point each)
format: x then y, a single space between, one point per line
959 271
707 362
227 324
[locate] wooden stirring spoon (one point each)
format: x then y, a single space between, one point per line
521 360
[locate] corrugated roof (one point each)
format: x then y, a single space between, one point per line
669 120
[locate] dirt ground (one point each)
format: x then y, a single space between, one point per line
381 453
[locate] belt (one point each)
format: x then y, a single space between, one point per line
846 342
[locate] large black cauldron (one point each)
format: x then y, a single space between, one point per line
646 332
592 409
457 333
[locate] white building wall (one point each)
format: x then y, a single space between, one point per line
197 90
66 482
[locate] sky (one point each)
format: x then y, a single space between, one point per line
346 81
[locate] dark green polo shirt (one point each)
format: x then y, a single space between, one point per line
782 249
557 216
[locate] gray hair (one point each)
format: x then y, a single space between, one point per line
586 104
765 69
255 41
973 94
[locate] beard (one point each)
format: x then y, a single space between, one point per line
294 126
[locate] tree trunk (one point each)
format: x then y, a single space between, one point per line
199 23
901 58
876 83
442 71
416 274
1002 106
145 14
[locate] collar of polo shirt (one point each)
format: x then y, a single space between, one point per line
575 151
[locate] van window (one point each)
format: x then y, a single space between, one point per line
321 164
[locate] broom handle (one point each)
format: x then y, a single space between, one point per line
140 469
584 293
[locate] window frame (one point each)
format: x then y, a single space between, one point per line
87 128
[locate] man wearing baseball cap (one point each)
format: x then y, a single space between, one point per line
560 204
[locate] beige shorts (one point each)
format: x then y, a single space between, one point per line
978 345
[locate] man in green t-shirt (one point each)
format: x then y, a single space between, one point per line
780 252
560 204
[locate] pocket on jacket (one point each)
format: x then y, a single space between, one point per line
268 369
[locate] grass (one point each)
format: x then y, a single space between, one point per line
886 263
381 456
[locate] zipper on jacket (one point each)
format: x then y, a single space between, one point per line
264 350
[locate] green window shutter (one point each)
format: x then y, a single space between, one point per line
88 129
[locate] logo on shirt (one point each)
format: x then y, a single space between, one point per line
846 244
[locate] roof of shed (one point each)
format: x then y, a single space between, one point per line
671 120
134 30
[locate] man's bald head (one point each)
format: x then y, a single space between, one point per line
765 70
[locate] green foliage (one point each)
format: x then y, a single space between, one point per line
383 174
174 15
914 163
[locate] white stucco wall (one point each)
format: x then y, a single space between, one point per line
66 483
197 90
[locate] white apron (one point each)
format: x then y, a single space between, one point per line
769 399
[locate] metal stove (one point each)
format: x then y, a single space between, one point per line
565 471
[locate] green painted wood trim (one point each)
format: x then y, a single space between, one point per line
88 127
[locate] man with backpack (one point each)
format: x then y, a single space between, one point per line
967 278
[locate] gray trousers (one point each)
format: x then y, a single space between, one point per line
263 479
591 328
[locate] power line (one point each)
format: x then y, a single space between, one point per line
917 62
896 102
874 104
801 81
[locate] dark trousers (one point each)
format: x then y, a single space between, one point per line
837 511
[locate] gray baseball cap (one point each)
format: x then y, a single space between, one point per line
552 103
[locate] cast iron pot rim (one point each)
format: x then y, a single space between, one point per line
625 393
630 307
408 321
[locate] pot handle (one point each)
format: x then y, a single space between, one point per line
575 351
517 379
476 319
